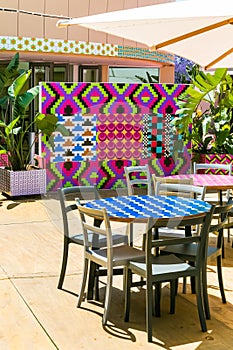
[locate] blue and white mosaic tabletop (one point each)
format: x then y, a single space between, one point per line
140 208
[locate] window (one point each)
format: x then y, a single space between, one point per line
90 74
129 75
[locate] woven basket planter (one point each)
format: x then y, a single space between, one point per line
23 183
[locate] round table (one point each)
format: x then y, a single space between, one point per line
140 208
212 182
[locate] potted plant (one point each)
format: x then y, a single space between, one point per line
17 178
205 113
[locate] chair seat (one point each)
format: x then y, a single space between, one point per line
168 266
121 254
117 239
166 232
189 251
213 198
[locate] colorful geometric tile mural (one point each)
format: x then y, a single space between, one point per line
111 125
81 142
119 136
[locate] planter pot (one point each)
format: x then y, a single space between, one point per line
198 157
3 160
23 183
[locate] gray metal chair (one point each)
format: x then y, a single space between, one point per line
188 252
179 189
162 191
137 177
218 169
164 268
68 205
164 179
109 257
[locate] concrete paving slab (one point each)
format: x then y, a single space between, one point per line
35 249
36 315
21 211
19 328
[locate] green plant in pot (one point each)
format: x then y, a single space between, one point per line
15 126
205 113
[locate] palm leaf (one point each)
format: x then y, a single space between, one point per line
18 84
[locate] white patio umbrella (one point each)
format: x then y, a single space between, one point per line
199 30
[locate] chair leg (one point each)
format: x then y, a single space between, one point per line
157 298
128 282
97 297
173 290
205 294
200 303
193 284
223 248
64 263
91 282
143 241
184 285
108 295
149 295
176 285
220 279
228 234
85 271
130 233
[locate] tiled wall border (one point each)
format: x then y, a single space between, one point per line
13 43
